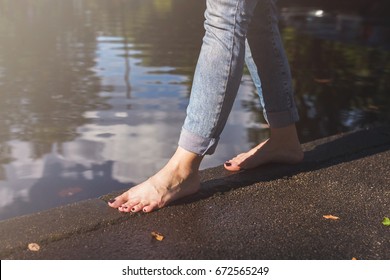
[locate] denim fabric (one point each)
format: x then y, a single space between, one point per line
270 58
220 66
252 67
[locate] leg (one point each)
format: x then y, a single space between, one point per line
218 73
276 95
252 67
216 81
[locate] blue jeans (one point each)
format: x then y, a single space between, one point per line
220 65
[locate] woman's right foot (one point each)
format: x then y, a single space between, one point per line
179 178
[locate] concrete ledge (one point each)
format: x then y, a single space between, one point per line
92 215
55 224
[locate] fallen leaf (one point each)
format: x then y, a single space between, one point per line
386 221
34 247
331 217
158 236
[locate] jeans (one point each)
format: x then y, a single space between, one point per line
220 65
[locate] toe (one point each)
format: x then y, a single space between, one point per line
124 208
138 207
232 166
128 206
118 201
150 207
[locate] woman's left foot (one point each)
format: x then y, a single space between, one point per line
282 147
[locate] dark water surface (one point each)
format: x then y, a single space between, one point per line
93 92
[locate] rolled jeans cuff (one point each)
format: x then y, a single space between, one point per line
282 119
197 144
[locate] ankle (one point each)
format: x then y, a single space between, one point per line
285 135
184 161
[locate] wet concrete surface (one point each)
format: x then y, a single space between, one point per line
272 212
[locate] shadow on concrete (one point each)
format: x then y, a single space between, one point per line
319 154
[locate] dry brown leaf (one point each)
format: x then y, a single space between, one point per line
158 236
34 247
331 217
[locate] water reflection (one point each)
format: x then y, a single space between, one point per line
341 64
93 92
94 101
366 23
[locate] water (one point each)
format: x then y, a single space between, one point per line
93 92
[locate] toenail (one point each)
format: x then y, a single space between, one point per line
228 164
112 200
133 209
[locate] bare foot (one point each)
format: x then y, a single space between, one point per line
282 147
179 178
